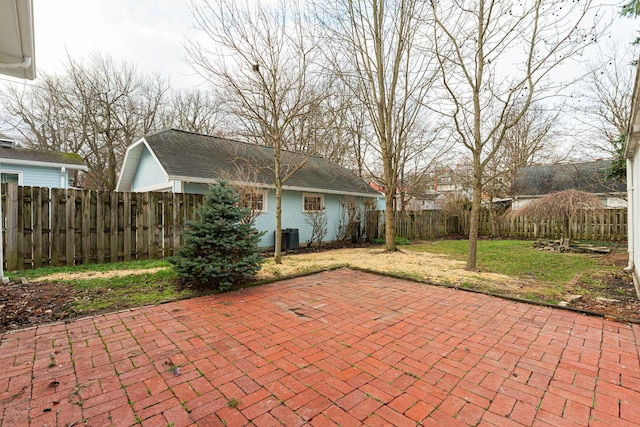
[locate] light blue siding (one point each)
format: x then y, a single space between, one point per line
37 176
292 215
149 172
193 188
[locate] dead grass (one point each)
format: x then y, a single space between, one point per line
418 265
99 274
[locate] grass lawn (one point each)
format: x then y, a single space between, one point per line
516 258
507 267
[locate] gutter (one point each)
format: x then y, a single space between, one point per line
26 63
271 186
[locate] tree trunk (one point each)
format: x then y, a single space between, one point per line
389 225
277 250
476 205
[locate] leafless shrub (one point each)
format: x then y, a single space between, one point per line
350 218
454 205
369 208
564 206
318 222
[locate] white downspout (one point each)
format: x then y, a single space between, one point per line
2 278
630 213
63 173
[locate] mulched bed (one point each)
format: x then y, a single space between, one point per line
617 298
26 304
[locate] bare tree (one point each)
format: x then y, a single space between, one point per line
527 143
604 98
604 104
95 108
264 58
372 45
195 111
495 59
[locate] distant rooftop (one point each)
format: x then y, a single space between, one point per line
588 176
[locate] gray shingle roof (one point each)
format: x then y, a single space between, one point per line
201 157
545 179
13 153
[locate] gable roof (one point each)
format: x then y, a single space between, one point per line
589 176
192 157
24 156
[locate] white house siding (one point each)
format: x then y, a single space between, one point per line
153 173
39 176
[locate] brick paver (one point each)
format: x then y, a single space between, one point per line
337 348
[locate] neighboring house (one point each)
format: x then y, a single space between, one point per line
36 168
184 162
533 182
431 192
632 154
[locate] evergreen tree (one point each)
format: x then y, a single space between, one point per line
219 248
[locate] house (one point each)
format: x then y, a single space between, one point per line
184 162
17 45
632 154
533 182
36 168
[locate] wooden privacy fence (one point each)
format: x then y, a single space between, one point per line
611 226
415 225
54 227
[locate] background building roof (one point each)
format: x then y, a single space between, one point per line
589 176
26 155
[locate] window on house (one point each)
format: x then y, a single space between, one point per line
6 177
255 200
313 203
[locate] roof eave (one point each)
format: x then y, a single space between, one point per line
43 163
633 131
272 186
17 40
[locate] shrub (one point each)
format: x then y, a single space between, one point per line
219 248
318 223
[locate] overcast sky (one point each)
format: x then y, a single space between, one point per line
147 33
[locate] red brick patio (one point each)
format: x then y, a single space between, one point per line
337 348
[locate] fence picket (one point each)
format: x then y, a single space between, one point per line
612 226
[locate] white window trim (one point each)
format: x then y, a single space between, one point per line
322 208
14 172
265 195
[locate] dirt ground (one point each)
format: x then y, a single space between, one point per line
24 304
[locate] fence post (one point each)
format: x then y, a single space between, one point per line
126 200
11 234
70 215
86 226
154 228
